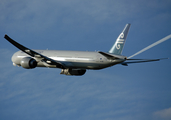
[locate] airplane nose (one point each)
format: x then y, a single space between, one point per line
14 59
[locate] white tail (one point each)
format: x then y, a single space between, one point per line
120 41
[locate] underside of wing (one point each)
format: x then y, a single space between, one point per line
34 54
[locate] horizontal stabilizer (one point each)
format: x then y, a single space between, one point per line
141 61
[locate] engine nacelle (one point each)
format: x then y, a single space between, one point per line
73 72
28 63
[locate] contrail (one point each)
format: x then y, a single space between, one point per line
152 45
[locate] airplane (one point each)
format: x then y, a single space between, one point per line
74 62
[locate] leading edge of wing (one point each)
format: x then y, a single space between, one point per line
33 53
141 61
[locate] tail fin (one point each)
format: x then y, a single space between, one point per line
120 41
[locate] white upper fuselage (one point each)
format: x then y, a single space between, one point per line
71 59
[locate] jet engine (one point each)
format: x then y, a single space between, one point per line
28 63
76 72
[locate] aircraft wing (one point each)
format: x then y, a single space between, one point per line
112 56
35 54
140 61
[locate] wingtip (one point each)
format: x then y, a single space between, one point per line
163 58
5 36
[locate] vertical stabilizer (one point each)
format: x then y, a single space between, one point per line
120 41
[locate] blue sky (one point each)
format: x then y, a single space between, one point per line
139 91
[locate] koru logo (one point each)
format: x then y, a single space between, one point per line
120 41
122 35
